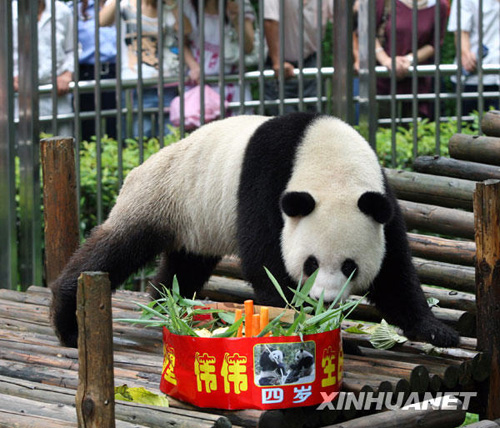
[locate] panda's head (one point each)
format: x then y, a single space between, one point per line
276 356
301 354
335 235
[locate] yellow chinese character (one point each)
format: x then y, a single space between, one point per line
341 364
328 364
234 371
169 365
204 369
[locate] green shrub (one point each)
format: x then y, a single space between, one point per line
426 141
110 173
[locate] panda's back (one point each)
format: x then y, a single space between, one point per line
190 188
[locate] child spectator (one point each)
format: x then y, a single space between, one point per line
212 43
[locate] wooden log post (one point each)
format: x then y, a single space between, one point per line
60 204
95 397
475 149
490 123
440 165
431 189
487 222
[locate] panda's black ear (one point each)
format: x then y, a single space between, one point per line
376 205
296 204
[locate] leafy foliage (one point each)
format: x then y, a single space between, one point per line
110 172
426 141
181 316
315 317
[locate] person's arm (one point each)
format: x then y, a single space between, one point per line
271 31
63 81
469 59
232 11
107 14
194 67
355 51
423 54
402 62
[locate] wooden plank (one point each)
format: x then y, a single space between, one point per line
430 418
487 221
129 413
10 419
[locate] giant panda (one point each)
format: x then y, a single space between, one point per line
294 193
302 366
272 368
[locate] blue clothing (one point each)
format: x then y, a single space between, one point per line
86 33
150 100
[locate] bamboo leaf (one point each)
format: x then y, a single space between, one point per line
276 285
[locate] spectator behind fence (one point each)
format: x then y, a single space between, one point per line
404 56
107 70
212 43
64 62
292 52
149 57
469 14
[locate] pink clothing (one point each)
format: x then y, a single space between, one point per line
425 34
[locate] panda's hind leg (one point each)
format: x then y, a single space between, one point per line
191 270
108 249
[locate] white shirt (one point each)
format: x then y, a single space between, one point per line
64 57
291 24
491 33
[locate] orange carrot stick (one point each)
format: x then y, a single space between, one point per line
256 324
248 317
237 316
264 317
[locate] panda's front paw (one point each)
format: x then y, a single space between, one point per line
435 332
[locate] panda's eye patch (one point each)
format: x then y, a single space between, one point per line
348 268
311 265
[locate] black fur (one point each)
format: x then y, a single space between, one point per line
376 205
267 168
396 290
191 270
296 204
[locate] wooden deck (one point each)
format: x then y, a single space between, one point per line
38 377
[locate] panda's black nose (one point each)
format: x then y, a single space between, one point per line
311 265
348 267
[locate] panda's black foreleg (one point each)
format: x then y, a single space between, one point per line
119 253
398 295
191 270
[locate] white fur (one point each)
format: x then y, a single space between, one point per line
336 166
206 166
